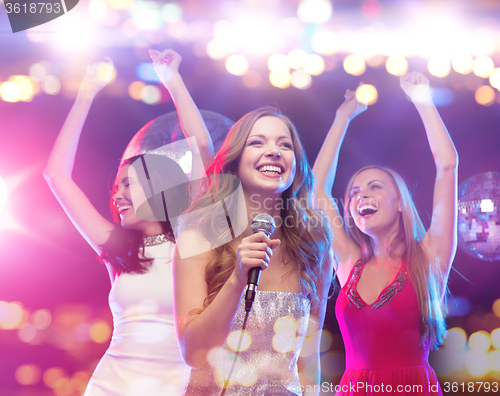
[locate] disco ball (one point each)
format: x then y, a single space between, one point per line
479 216
166 130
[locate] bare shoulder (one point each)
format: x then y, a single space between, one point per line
192 243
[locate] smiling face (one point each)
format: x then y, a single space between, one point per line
127 192
267 164
374 202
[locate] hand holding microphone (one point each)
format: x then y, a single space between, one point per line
255 253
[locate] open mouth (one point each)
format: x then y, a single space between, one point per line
367 209
271 170
122 209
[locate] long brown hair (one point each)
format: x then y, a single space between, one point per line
305 237
424 271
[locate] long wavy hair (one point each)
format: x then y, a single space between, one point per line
306 238
125 247
424 271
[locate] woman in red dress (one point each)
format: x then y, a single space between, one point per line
392 271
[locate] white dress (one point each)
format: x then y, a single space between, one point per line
143 357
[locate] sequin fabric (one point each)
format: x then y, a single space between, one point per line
267 362
388 293
155 240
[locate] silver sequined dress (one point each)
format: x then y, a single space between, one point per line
267 363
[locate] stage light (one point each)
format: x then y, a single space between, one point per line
171 12
324 42
252 79
296 58
483 66
278 63
439 66
280 80
301 79
354 64
462 63
482 44
315 11
4 194
485 95
495 78
148 19
314 64
237 65
396 65
51 85
487 205
366 94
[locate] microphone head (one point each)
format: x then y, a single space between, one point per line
265 223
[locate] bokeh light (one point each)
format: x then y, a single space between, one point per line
439 66
495 338
483 66
4 194
100 332
314 64
462 63
354 64
135 90
237 65
151 94
252 79
278 63
496 307
477 364
325 42
485 95
41 319
396 65
371 9
315 11
12 315
495 78
479 341
233 340
28 374
366 94
456 339
51 85
280 80
296 58
301 79
171 12
52 375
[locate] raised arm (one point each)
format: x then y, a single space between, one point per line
166 64
324 169
93 227
198 333
441 239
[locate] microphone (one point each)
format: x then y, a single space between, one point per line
265 223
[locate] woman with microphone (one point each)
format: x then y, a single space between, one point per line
260 168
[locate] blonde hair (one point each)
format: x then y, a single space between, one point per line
307 240
424 271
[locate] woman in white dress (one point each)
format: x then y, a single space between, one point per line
143 357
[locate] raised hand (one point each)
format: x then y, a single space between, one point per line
97 76
416 86
166 64
350 108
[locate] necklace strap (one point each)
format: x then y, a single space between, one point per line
155 240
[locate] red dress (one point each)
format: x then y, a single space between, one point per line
383 354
